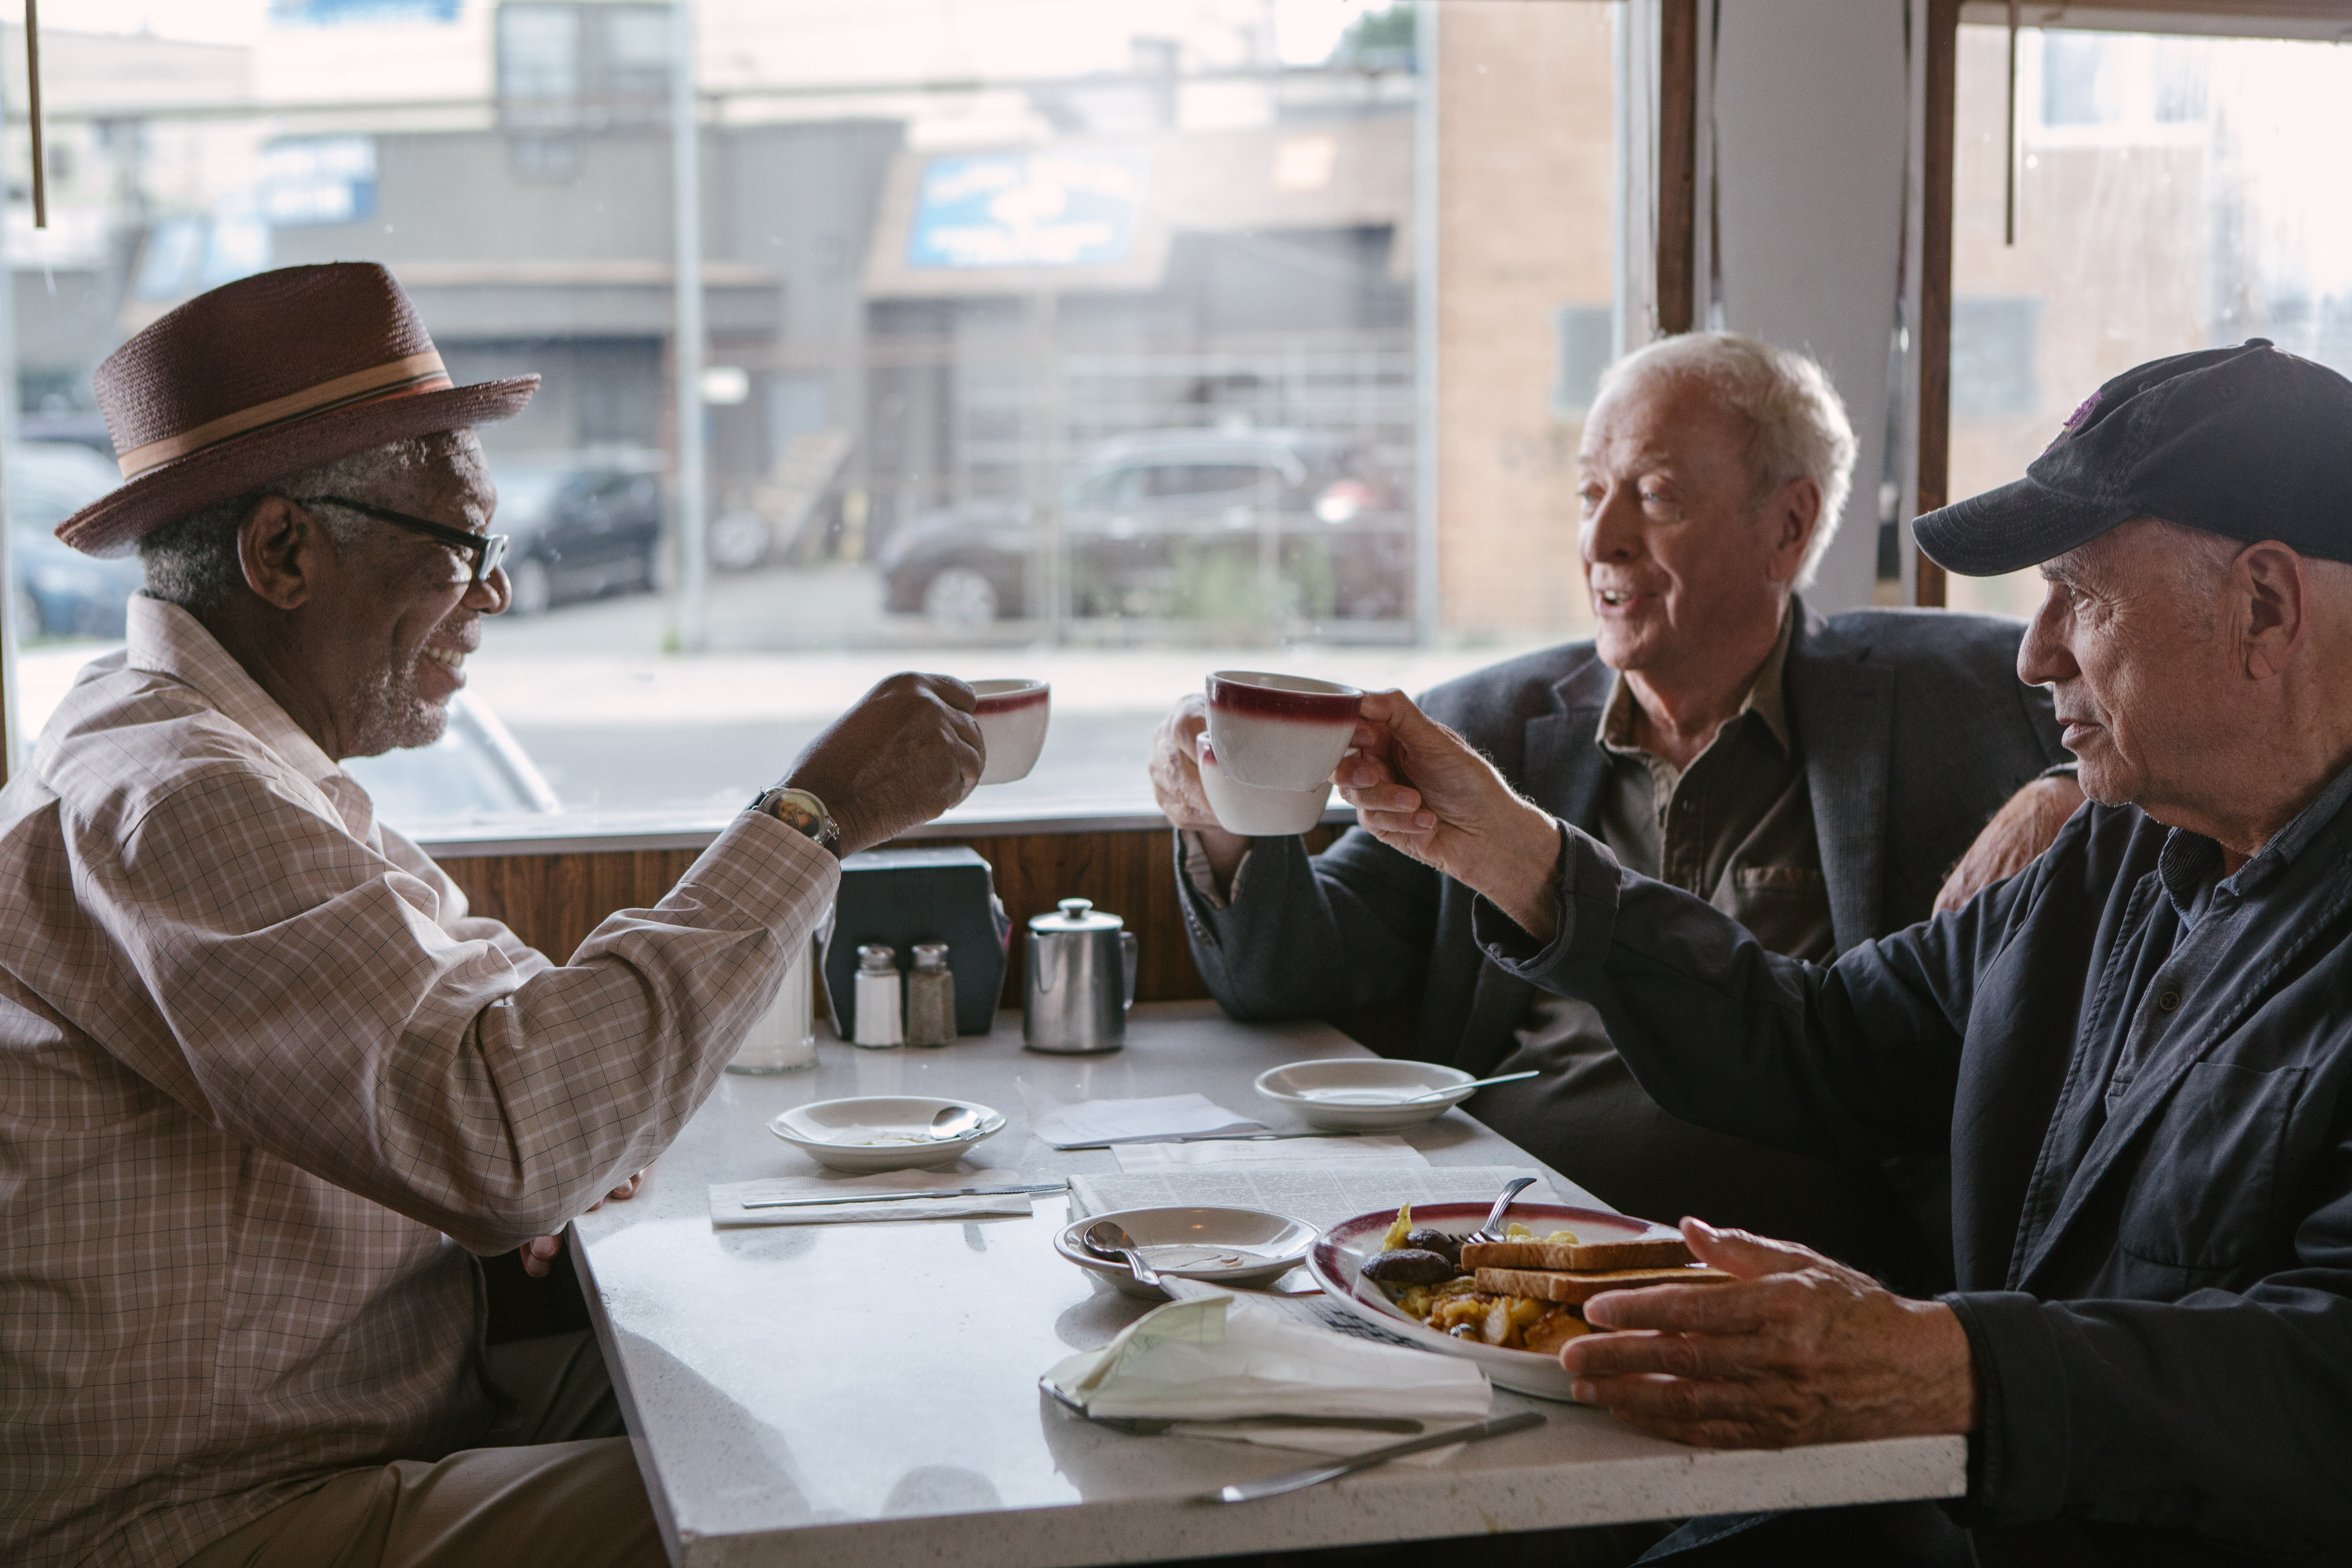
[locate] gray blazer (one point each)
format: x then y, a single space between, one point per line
1913 727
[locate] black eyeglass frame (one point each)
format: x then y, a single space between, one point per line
487 551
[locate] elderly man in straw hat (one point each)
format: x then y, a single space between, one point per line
2138 1050
266 1087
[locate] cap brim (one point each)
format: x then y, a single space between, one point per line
2018 525
115 522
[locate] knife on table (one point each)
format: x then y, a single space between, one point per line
899 1198
1298 1481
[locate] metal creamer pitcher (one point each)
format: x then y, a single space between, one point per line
1081 981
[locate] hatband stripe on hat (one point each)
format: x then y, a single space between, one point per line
404 377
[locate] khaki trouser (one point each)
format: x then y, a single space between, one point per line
563 1489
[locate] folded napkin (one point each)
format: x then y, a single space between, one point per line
1130 1121
727 1199
1223 1358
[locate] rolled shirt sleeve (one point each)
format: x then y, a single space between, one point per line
318 1008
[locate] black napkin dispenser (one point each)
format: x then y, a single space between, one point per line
901 897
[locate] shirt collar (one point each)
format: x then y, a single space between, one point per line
165 639
2190 861
1767 697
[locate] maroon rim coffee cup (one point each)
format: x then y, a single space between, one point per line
1279 731
1012 716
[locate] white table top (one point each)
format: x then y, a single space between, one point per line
865 1395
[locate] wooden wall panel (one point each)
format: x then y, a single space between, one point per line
553 901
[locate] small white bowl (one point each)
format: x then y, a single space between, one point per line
1255 812
880 1134
1013 716
1363 1094
1238 1249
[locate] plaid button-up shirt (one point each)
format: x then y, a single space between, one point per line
264 1085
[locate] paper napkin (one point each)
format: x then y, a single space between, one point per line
727 1199
1067 1126
1223 1358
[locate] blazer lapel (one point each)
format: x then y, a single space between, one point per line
1841 708
1561 770
1563 766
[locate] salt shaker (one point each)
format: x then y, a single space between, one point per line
930 998
876 1020
784 1037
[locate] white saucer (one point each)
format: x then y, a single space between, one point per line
1361 1094
1239 1248
880 1134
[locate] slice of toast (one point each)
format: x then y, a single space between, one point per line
1551 1285
1584 1256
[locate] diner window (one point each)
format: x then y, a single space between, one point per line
2173 192
1111 344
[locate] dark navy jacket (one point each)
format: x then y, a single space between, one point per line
2142 1081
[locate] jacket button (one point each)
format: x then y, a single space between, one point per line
2168 1001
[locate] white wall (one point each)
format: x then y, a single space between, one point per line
1801 245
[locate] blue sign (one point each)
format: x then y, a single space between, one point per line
329 13
1074 208
317 179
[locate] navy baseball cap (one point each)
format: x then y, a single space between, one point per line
2246 442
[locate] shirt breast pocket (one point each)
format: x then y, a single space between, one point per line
2205 1189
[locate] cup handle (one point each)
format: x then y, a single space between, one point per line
1130 961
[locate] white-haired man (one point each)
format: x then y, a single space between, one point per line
1813 778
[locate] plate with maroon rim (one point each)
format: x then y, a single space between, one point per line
1340 1254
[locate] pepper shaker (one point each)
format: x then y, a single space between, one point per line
930 998
877 1019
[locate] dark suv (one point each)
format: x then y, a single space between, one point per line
582 524
1259 525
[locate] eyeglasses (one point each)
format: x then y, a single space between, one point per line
486 550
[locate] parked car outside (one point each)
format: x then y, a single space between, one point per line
1182 524
476 770
582 524
58 591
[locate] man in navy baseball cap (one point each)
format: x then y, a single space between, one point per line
2136 1052
2245 442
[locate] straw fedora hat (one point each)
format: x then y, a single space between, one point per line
265 377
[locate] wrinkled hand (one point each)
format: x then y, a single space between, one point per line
540 1253
2020 830
1175 770
1804 1351
1419 787
906 753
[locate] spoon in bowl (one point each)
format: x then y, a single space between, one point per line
1374 1097
1110 1238
954 1122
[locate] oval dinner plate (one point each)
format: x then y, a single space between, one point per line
1340 1254
1235 1247
1359 1094
885 1132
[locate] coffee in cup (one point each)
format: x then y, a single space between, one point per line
1280 732
1011 715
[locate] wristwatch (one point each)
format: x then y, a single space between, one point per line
797 808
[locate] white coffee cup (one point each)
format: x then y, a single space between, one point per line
1254 812
1012 716
1280 732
